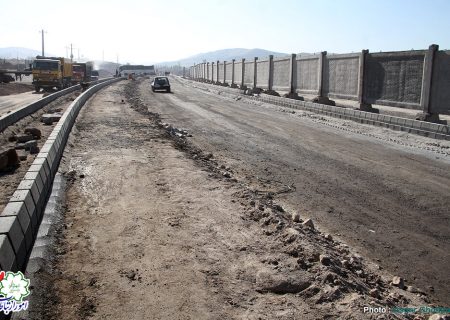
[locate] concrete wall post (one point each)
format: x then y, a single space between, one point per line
224 72
292 69
243 73
320 73
212 72
255 71
207 71
217 73
425 94
270 78
361 85
232 72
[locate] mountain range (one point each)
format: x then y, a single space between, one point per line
224 55
18 52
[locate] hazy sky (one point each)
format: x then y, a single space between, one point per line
144 31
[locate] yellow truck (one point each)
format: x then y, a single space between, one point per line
51 72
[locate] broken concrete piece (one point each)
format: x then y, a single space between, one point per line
34 150
8 158
30 145
35 132
22 154
22 138
49 118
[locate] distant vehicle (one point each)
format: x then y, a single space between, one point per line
94 75
166 73
81 72
50 72
161 83
6 78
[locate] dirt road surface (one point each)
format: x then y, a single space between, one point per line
385 193
166 223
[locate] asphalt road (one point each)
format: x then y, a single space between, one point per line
390 202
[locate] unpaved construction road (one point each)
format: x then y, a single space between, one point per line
160 224
390 201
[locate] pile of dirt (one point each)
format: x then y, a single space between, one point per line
7 89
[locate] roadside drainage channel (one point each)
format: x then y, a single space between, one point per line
21 218
13 117
427 129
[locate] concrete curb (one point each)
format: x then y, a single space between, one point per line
19 221
427 129
11 118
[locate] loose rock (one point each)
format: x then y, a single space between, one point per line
398 282
278 284
325 260
374 293
308 223
296 217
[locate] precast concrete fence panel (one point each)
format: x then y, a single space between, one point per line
440 88
281 74
262 80
394 78
228 72
249 73
340 76
416 79
214 72
238 72
221 72
306 79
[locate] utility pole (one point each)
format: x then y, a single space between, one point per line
42 32
71 52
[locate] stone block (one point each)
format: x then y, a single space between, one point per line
19 210
7 255
10 226
26 197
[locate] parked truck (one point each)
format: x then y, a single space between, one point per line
51 72
82 73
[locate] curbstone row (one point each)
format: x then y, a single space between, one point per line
20 219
